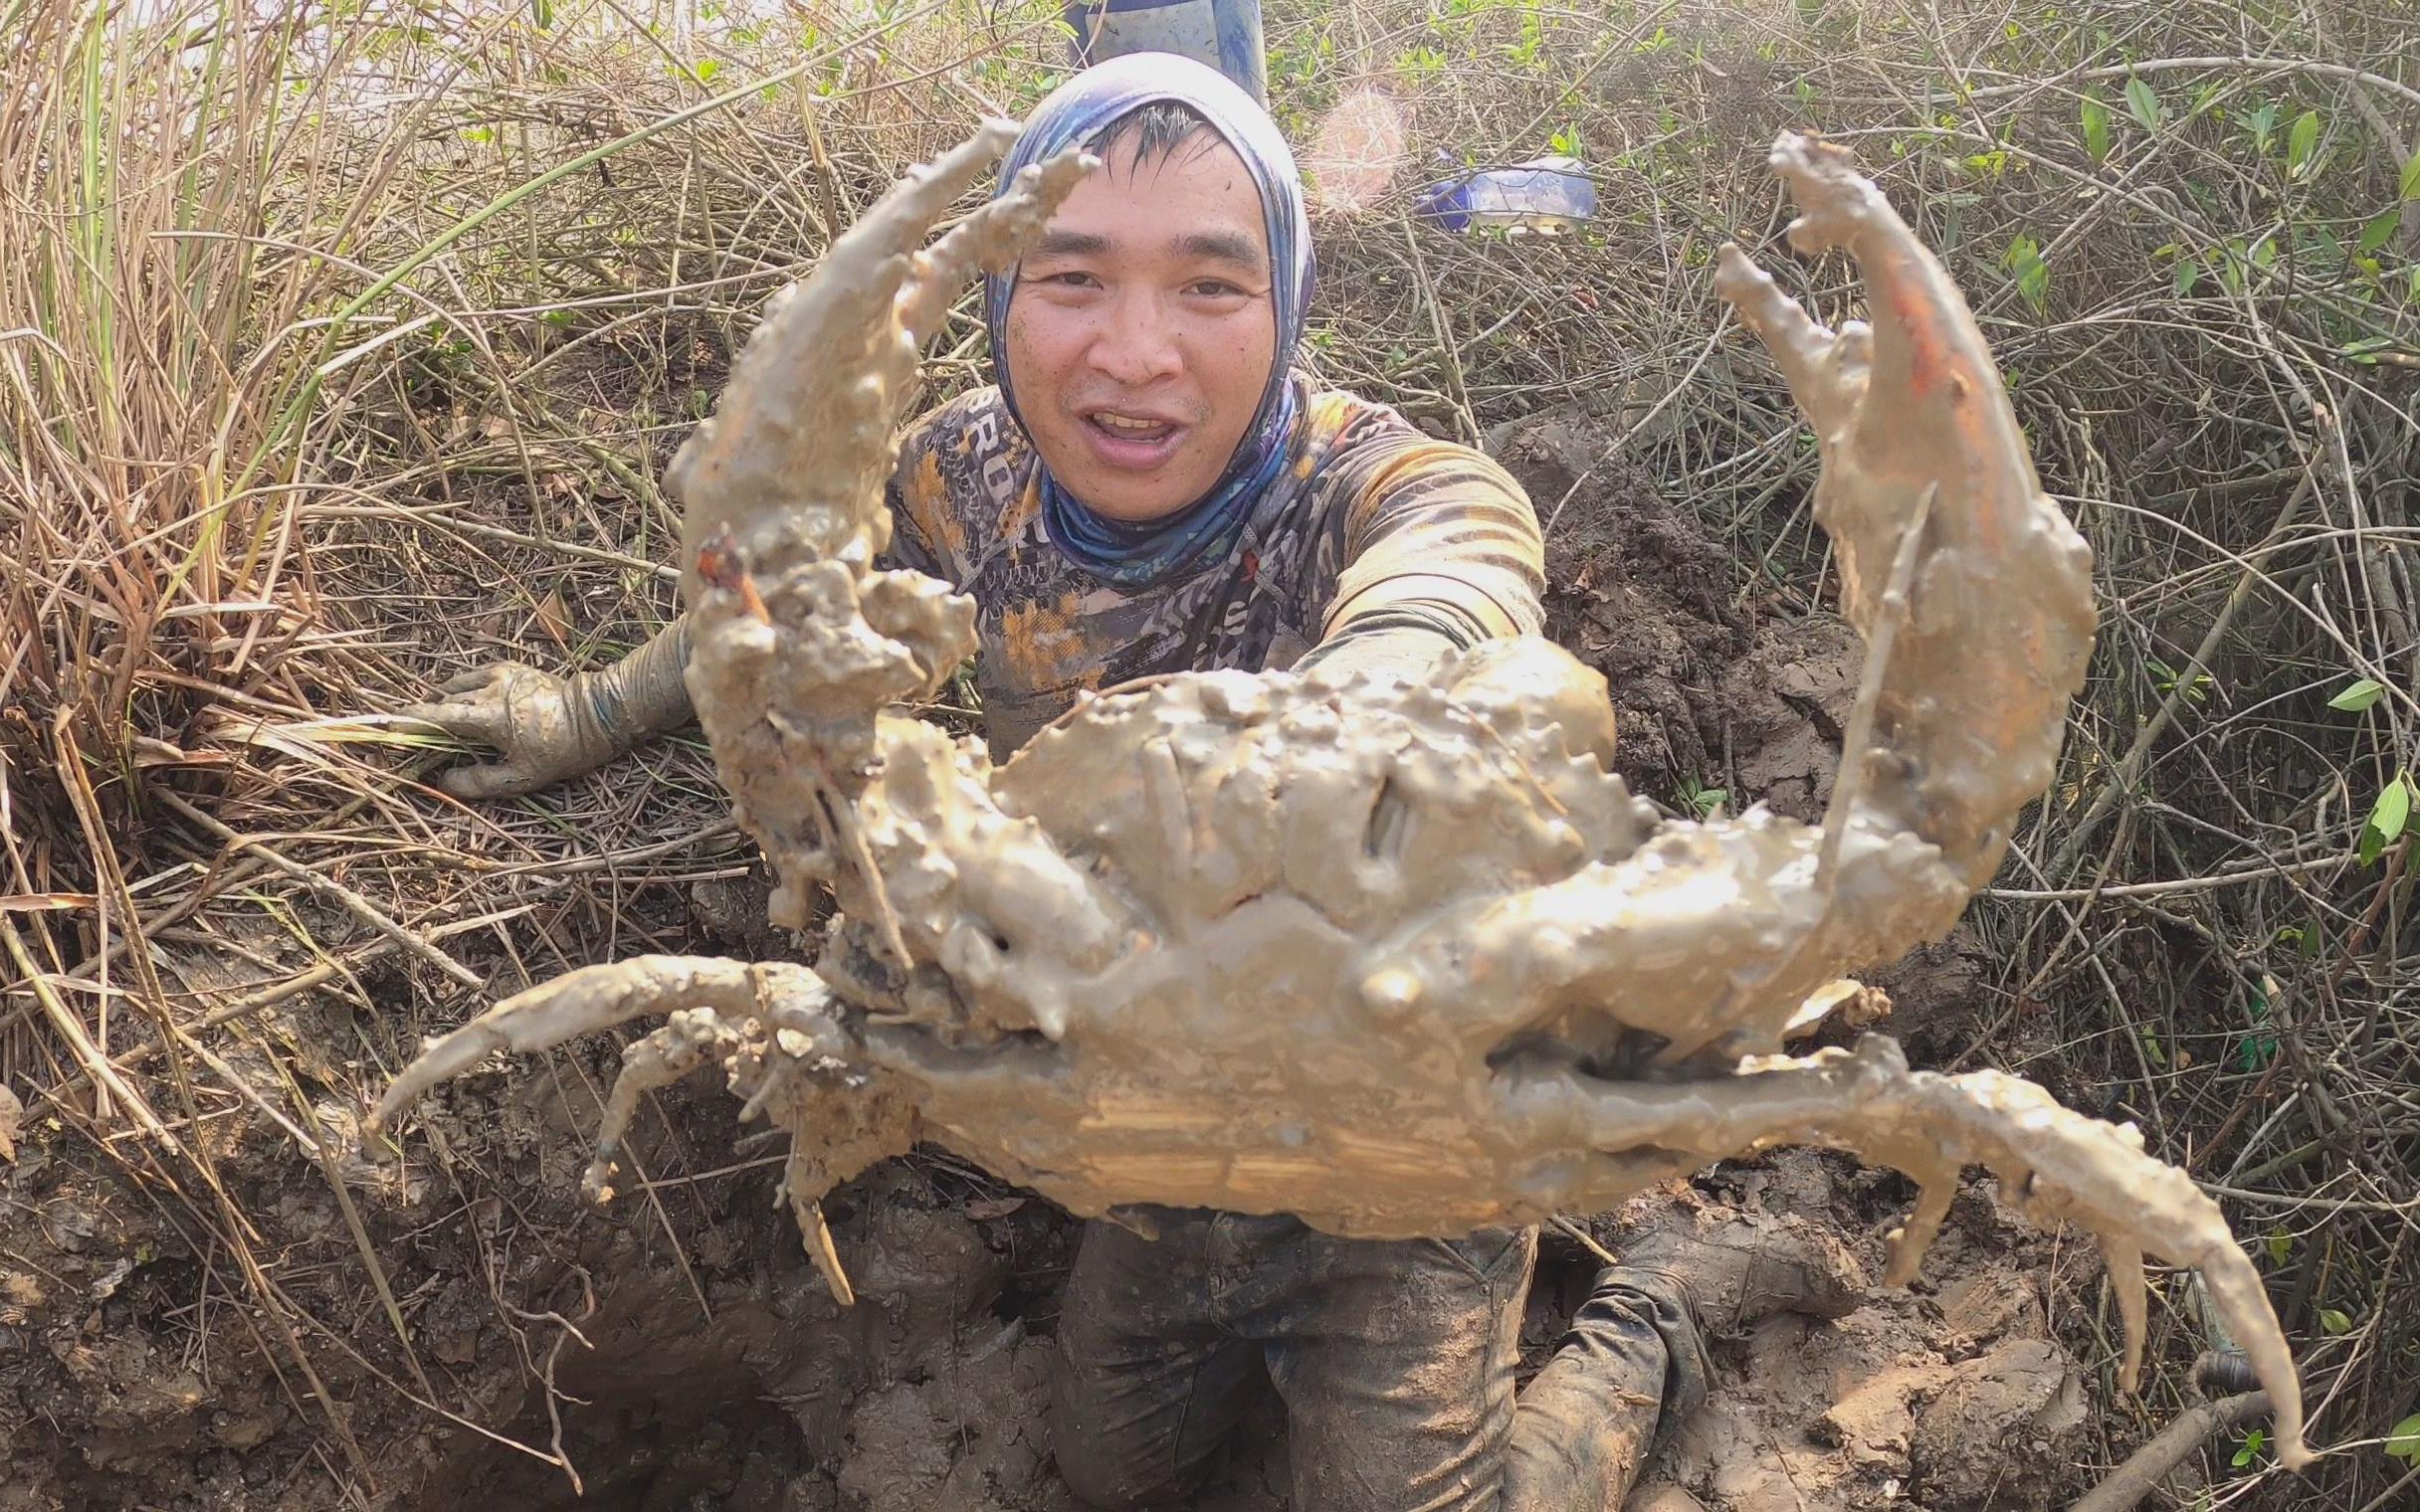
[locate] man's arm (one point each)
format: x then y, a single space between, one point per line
1442 551
552 728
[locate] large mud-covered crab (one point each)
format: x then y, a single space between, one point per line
1400 959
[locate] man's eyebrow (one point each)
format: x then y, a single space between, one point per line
1071 244
1223 247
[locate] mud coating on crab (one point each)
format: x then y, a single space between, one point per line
1400 958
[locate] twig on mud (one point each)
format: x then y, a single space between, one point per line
2143 1471
1585 1240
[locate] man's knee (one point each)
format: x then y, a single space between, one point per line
1110 1456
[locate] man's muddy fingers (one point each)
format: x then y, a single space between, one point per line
595 997
475 705
492 779
1804 349
477 716
479 677
988 239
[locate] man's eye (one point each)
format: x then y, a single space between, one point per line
1070 279
1215 289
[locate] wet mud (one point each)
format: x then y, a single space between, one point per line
761 1397
1952 1395
1707 695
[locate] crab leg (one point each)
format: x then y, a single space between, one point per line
600 997
692 1036
2053 1163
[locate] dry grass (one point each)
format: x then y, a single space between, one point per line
338 356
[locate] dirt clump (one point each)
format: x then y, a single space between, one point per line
1707 697
1951 1395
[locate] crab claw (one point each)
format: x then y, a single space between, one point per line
794 460
1984 644
799 646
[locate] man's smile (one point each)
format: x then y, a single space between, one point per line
1132 439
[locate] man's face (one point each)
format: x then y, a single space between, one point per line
1142 327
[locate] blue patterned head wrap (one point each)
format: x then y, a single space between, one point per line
1077 113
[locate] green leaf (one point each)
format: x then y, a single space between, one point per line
2388 816
2335 1323
2096 129
2142 102
2393 808
2298 142
2189 273
2357 696
2380 230
2411 178
2252 1053
2262 124
2403 1441
2279 1244
2024 259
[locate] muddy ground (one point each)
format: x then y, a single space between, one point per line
677 1351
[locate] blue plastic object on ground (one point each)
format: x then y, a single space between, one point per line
1549 195
1225 33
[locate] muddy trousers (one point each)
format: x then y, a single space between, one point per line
1394 1360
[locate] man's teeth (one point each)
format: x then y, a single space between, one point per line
1126 424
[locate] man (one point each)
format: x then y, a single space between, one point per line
1153 487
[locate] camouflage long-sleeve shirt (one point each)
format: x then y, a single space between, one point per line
1373 526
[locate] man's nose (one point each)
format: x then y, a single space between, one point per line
1136 345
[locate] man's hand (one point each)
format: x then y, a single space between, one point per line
550 728
546 727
